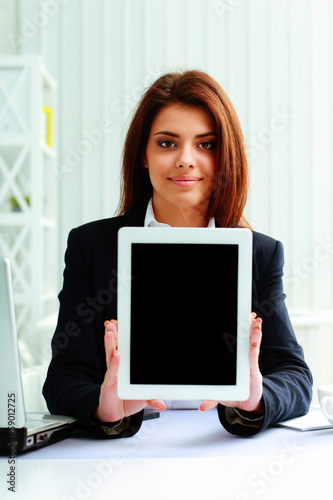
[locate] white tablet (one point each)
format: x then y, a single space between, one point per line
184 306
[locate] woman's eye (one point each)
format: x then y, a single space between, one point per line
207 145
166 144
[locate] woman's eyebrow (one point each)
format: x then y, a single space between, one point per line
172 134
205 134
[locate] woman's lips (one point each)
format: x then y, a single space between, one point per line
187 181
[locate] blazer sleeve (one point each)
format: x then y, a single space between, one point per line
287 380
87 299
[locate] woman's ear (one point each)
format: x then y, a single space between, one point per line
144 161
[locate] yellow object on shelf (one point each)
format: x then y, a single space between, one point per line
49 127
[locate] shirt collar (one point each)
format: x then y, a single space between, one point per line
150 220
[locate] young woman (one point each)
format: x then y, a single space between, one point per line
184 165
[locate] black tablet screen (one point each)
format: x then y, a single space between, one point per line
184 314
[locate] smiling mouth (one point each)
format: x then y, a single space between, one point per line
185 181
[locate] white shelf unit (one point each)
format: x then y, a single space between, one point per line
29 188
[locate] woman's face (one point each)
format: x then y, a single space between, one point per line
181 159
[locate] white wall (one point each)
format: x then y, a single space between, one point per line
273 57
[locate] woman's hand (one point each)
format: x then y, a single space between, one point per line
254 403
111 408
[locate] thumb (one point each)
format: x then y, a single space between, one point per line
207 405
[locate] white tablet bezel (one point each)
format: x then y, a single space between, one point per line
239 236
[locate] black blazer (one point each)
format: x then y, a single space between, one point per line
89 297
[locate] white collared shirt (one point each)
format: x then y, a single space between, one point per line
150 221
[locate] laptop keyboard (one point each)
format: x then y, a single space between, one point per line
36 425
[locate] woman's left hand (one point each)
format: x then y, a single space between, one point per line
254 403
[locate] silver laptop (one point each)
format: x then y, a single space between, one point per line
20 431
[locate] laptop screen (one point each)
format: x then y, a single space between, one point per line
11 393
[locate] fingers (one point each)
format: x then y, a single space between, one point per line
112 371
110 340
207 405
112 326
255 341
157 404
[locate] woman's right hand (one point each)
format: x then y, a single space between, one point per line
110 407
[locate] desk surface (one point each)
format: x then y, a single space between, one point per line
182 455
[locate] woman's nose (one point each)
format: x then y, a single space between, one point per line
185 160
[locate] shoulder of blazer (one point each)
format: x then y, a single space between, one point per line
266 250
263 244
110 225
100 238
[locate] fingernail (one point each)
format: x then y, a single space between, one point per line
106 322
253 317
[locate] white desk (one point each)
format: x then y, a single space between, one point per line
182 455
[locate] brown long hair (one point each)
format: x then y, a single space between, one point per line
192 88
